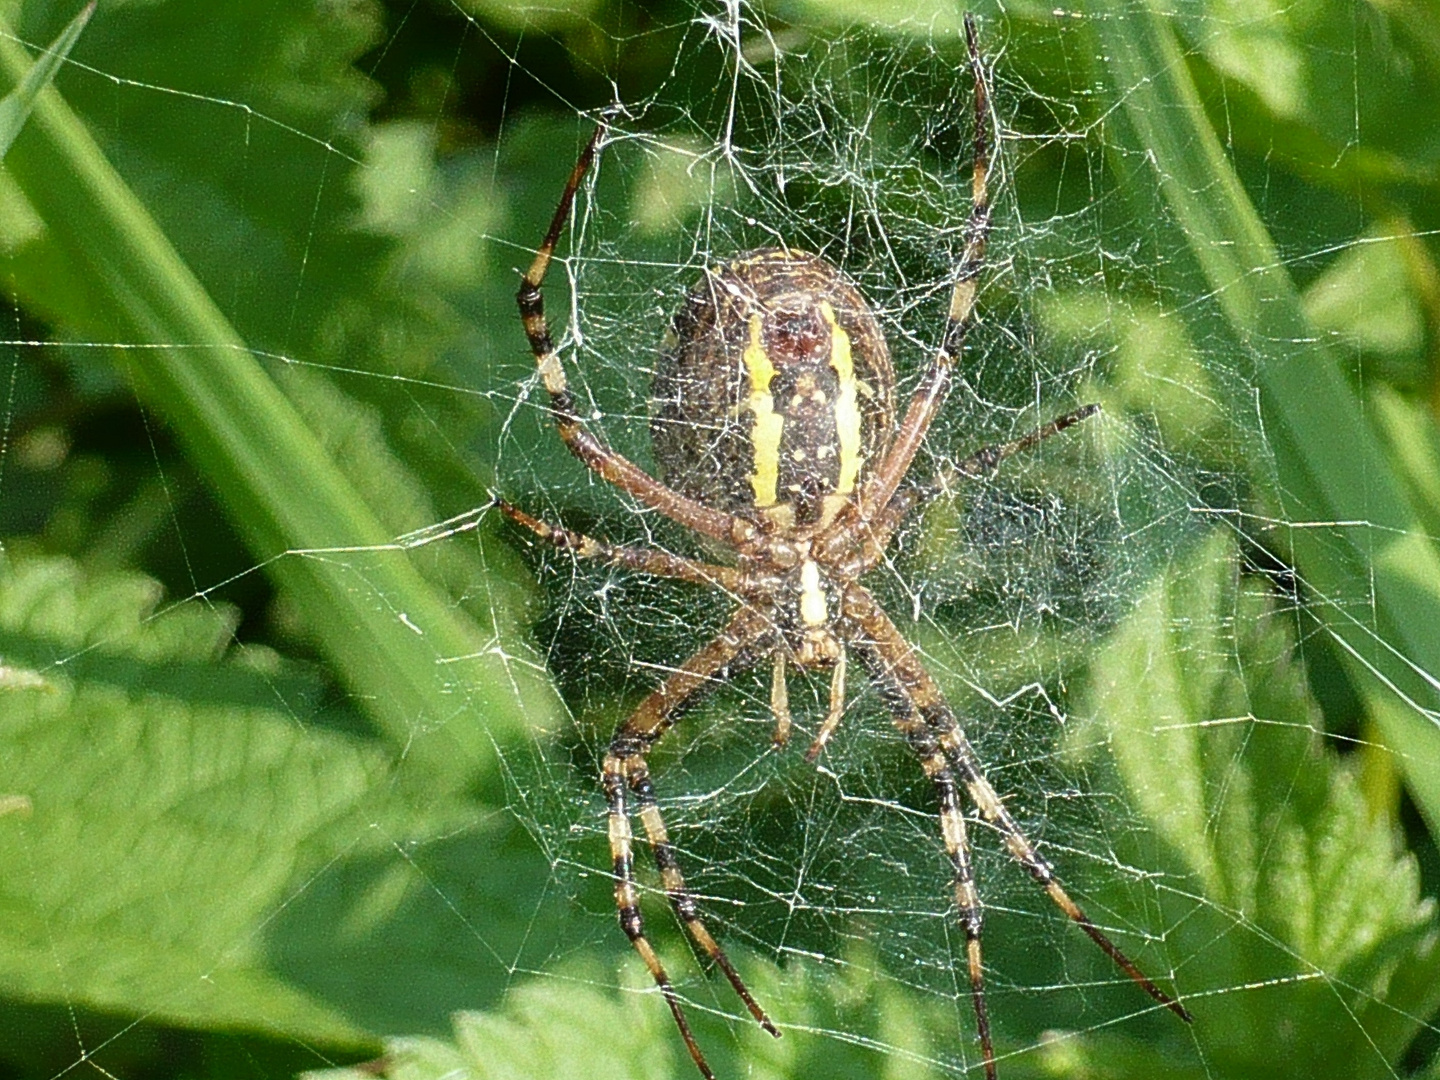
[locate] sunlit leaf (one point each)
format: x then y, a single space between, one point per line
1306 892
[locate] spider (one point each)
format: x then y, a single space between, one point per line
774 425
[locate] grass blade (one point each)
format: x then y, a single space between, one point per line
433 680
1351 532
15 106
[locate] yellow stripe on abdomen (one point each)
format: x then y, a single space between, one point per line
847 403
766 431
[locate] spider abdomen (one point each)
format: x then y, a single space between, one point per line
775 391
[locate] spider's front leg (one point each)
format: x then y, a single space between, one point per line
611 466
625 767
930 394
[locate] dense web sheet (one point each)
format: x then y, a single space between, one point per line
1139 622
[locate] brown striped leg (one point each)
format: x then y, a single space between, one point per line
644 560
958 749
952 827
898 671
628 903
930 394
982 462
680 896
735 647
985 460
613 467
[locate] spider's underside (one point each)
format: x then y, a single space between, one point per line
774 424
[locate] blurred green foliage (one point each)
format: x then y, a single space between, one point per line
278 794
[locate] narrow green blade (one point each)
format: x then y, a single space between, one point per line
435 682
15 106
1342 518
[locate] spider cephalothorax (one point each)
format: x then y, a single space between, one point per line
774 425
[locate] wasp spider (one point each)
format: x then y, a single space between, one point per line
775 427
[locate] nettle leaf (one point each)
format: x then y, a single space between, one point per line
841 1022
184 797
1310 950
522 1040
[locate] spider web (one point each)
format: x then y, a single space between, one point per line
1002 586
1198 719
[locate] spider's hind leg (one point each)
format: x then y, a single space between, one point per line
959 751
913 693
957 848
734 648
628 903
982 463
680 896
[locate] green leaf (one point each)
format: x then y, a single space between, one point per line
1364 298
200 842
1413 443
425 670
1291 92
925 20
15 106
569 1024
1307 898
1314 457
142 877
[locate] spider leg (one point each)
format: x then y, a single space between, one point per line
645 560
981 463
733 648
898 671
604 461
930 394
680 896
957 846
